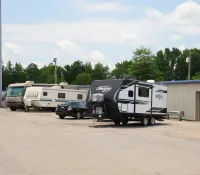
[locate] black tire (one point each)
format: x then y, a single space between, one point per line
26 109
117 122
145 121
78 115
61 116
152 121
82 116
53 109
13 109
125 121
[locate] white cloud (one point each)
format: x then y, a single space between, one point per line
68 39
89 6
97 56
16 48
40 64
67 45
122 58
176 37
71 48
182 47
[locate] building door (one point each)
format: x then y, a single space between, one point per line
197 106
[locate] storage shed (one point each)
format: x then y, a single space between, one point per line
184 96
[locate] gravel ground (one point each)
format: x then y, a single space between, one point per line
42 144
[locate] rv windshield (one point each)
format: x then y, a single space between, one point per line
15 91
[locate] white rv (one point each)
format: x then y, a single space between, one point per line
50 97
15 93
124 99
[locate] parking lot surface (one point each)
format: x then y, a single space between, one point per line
42 144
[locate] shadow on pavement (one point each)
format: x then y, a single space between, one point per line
130 125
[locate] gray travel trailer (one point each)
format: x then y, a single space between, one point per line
122 100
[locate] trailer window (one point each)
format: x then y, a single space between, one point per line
79 96
45 93
143 92
130 93
61 95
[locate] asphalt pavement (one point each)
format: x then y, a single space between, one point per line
39 143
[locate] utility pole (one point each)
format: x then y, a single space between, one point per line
55 61
188 60
0 57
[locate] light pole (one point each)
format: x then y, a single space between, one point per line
55 61
0 57
188 60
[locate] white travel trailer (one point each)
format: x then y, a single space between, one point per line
15 93
122 100
50 97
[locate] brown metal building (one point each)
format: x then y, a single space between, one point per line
184 96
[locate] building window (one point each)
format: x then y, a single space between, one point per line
45 93
143 92
61 95
79 96
130 93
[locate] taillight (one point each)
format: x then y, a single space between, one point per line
69 108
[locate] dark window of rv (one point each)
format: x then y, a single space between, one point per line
79 96
143 92
130 93
61 95
45 94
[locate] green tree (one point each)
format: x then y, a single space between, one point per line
33 72
18 74
122 69
47 74
143 65
196 76
72 71
100 72
83 79
195 61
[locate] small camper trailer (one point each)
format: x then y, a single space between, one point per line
50 97
124 99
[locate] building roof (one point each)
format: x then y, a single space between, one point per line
181 82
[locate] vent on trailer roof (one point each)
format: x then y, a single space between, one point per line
150 81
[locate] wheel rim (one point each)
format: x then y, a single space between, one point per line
145 121
78 115
152 121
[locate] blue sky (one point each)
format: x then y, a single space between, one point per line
95 30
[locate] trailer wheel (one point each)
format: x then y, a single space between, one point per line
125 121
117 122
152 121
61 116
13 109
26 109
78 115
145 121
53 109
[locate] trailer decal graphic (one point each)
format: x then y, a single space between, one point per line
104 88
159 96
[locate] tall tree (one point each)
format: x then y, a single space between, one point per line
143 65
122 69
83 79
19 75
168 63
47 74
88 68
33 72
72 71
100 72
